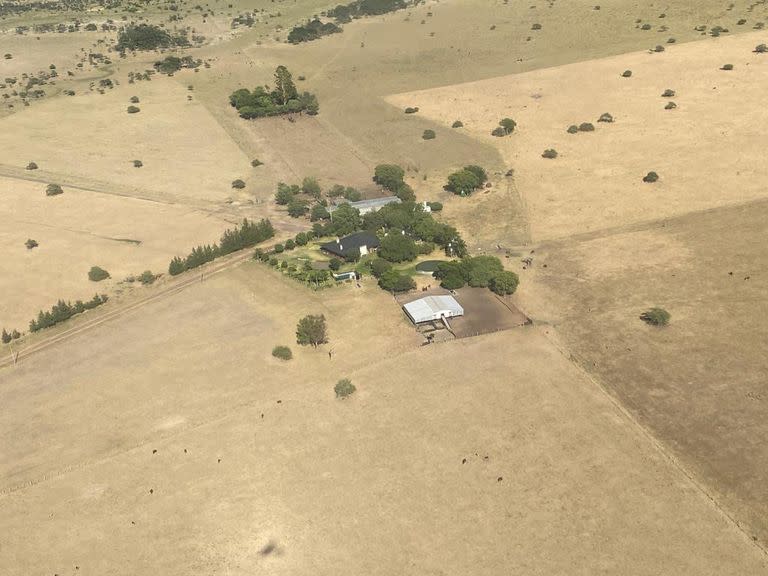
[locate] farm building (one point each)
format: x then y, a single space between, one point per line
433 308
357 244
366 206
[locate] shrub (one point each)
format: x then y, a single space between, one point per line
536 27
761 49
550 153
727 67
334 264
134 99
504 283
133 109
238 184
282 352
53 190
147 278
605 117
507 125
256 162
586 127
646 26
311 330
668 93
626 74
344 388
651 177
656 317
429 135
572 129
410 110
658 48
670 106
5 337
31 166
457 124
138 163
96 274
671 40
290 244
279 248
379 266
30 243
435 206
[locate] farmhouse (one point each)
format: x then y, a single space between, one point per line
433 308
357 244
366 206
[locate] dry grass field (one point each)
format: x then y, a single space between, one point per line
170 441
435 466
707 151
700 384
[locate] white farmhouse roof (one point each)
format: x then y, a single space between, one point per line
433 308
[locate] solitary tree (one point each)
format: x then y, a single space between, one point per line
284 86
311 330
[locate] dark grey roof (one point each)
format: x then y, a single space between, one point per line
351 244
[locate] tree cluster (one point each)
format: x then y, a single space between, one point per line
171 64
391 177
477 271
62 311
345 12
284 98
147 37
411 219
248 234
467 180
390 279
312 30
6 336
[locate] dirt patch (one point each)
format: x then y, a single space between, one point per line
484 312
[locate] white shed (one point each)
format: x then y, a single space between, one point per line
433 308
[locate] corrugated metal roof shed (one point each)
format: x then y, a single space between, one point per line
433 308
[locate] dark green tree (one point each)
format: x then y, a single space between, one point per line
311 331
463 182
345 220
504 283
398 247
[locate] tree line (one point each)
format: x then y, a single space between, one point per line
248 234
62 311
343 13
477 271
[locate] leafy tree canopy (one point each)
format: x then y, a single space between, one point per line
311 331
398 247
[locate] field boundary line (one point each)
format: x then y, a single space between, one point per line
657 444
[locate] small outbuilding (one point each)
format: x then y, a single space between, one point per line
357 244
432 308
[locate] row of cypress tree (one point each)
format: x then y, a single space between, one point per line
248 234
62 311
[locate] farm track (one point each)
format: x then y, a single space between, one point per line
187 279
